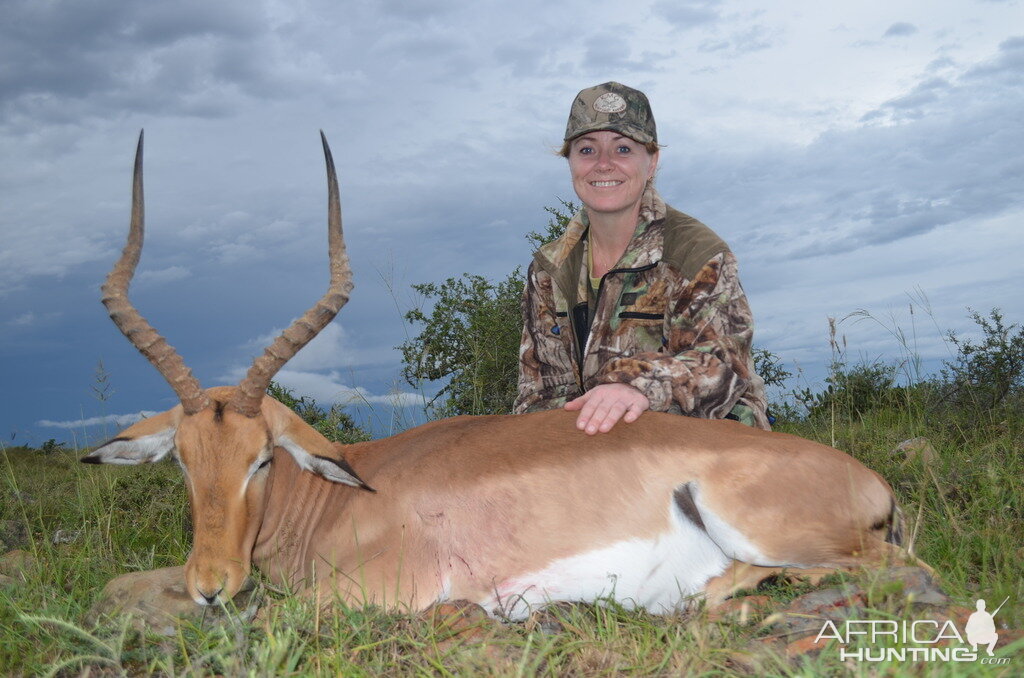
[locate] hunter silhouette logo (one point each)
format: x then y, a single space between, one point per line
981 627
875 640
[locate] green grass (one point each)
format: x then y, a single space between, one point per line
965 508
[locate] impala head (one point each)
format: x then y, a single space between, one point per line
224 438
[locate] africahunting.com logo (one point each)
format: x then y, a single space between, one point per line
921 640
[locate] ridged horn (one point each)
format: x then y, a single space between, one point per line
131 323
251 390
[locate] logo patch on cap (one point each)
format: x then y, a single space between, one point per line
609 102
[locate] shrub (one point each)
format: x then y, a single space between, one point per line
470 338
332 423
853 391
989 374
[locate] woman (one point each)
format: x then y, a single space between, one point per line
637 306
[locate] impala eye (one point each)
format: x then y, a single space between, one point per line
264 464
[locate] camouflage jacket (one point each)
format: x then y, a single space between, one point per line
670 319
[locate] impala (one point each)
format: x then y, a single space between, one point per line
510 512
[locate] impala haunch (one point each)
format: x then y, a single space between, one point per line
510 512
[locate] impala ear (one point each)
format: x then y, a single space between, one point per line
310 450
147 441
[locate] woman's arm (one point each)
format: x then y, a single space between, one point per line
547 372
707 365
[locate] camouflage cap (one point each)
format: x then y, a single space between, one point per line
612 106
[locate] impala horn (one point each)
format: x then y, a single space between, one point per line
250 391
131 323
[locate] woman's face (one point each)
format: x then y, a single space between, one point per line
610 171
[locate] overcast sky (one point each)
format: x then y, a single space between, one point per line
856 155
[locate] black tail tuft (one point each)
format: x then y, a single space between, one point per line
892 523
894 533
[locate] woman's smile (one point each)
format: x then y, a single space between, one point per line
610 172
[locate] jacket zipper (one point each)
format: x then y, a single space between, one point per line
597 300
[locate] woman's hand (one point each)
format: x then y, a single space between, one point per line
602 406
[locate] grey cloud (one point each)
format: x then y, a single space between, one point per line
525 60
912 103
163 275
1002 74
714 45
900 28
607 50
417 10
939 64
687 14
65 60
752 39
942 153
1007 67
41 253
612 51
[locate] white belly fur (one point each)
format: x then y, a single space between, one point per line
660 575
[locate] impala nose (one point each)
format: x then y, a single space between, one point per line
210 598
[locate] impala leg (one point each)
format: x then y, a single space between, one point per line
744 576
881 554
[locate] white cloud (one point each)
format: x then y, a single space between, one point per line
331 388
118 419
163 275
30 319
332 348
27 318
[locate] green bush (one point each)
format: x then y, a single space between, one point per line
853 391
470 338
332 423
987 375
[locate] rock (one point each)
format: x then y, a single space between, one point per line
824 601
13 535
15 563
917 585
917 449
807 614
1007 637
157 601
785 626
805 646
66 536
960 614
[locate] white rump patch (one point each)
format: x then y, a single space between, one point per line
141 450
660 575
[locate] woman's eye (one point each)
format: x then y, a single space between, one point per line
586 150
625 149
